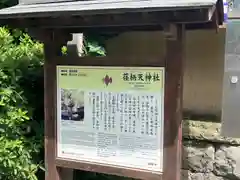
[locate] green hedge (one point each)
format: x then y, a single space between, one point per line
21 107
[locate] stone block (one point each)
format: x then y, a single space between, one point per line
227 162
198 157
204 176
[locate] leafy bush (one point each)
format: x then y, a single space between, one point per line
21 132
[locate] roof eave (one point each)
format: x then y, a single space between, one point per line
69 18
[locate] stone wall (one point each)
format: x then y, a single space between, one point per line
207 155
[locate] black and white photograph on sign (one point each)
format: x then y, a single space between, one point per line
72 105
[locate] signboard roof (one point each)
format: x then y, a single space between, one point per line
46 9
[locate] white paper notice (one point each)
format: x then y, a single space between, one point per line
111 116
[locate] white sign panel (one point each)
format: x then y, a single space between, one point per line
111 115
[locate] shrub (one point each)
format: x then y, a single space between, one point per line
21 126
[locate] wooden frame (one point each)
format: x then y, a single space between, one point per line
172 108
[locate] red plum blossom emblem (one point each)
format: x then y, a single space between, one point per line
107 80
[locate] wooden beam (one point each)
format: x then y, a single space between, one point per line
112 20
37 33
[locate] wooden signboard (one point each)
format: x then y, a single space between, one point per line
115 116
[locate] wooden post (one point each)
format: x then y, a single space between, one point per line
173 104
52 48
49 86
